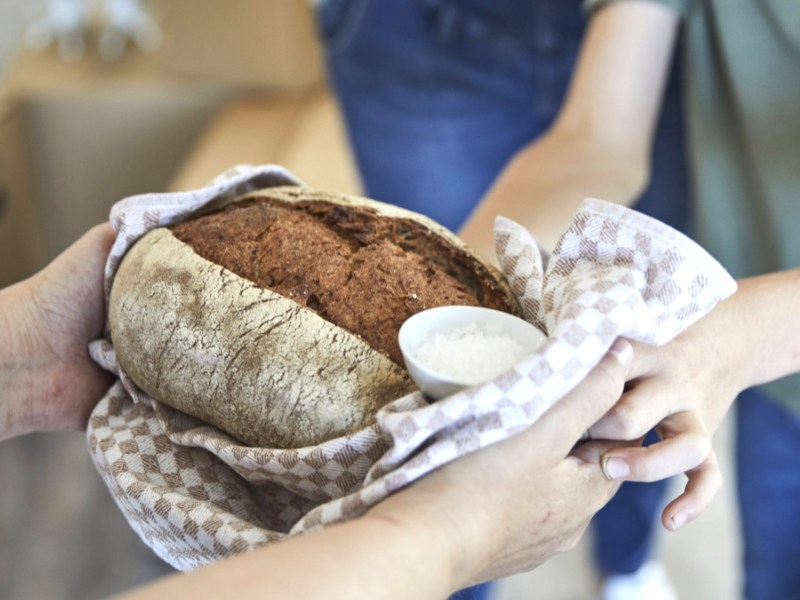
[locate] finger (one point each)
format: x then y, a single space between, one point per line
704 483
685 445
637 412
592 451
646 360
571 416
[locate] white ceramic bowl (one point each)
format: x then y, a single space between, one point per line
446 319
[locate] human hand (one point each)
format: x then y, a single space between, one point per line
685 388
684 402
509 507
49 380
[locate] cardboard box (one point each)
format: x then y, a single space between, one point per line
303 133
260 43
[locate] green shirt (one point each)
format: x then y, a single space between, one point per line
742 96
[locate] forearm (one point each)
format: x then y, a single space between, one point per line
365 558
611 110
766 314
17 369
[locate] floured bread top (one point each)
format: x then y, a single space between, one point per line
361 271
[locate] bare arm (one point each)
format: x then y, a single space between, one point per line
600 143
370 557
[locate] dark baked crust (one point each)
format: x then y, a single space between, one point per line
361 271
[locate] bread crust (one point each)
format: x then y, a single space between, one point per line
271 373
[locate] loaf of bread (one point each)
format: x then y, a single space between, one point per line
275 318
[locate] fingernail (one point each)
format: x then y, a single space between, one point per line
622 349
616 468
679 520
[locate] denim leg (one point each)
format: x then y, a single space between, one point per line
438 94
768 483
476 592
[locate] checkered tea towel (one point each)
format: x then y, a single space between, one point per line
196 495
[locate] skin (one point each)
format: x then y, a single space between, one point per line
600 142
753 337
493 513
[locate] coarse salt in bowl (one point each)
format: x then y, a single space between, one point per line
449 348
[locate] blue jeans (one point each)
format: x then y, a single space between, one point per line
768 486
437 95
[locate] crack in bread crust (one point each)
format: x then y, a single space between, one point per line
359 270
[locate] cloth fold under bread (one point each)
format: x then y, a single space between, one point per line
195 495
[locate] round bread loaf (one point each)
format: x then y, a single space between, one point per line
275 317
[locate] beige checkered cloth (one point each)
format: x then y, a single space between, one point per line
195 495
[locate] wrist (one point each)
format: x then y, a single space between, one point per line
412 516
461 532
18 363
743 333
619 167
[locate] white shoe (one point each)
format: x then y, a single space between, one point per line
650 582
